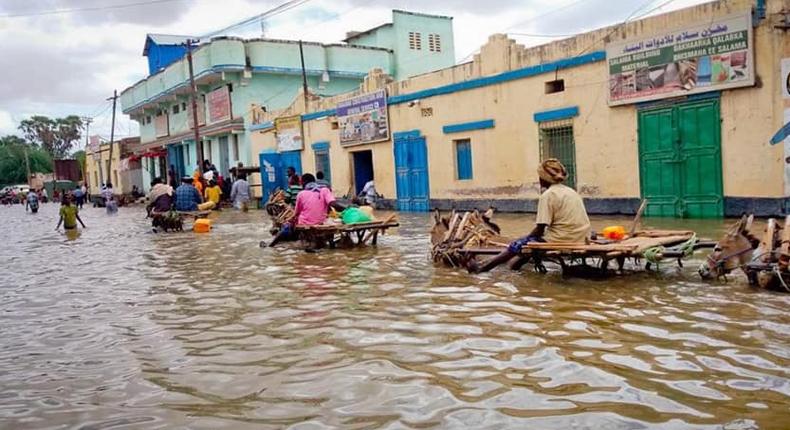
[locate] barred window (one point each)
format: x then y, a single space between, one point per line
434 43
556 141
415 40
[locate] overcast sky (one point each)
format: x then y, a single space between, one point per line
69 62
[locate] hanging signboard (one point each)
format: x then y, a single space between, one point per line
711 56
94 143
289 133
363 119
218 104
201 113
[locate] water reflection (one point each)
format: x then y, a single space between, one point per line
122 328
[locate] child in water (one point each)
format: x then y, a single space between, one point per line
69 215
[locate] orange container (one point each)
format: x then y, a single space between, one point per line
202 225
614 232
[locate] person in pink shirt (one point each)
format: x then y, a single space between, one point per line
313 203
312 208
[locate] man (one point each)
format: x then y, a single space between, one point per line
240 193
32 201
312 204
109 199
321 182
160 198
79 196
561 217
293 179
369 195
188 198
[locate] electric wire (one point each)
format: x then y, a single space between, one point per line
85 9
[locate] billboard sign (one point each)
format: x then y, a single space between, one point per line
289 133
94 144
711 56
363 119
218 105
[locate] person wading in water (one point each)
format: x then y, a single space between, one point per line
561 218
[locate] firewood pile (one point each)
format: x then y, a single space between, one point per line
278 209
450 235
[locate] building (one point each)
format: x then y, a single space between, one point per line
238 80
127 169
677 108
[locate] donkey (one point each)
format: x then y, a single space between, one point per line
734 251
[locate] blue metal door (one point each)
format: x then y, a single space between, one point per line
411 172
272 173
291 159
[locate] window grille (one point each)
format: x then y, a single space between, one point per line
556 141
434 43
415 40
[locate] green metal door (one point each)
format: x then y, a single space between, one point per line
680 160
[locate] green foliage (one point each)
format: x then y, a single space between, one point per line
56 136
13 169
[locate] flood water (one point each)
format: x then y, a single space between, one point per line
121 328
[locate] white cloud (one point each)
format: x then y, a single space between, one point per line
69 63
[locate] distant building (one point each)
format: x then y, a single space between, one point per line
131 165
240 79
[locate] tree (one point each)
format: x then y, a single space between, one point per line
12 140
56 136
12 162
80 157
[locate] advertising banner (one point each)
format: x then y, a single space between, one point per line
218 105
161 125
289 133
711 56
363 119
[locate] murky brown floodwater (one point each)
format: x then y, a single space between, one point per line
121 328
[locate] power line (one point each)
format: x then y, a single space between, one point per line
282 8
85 9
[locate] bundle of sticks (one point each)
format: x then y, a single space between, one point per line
451 235
278 209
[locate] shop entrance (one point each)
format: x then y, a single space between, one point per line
363 169
680 160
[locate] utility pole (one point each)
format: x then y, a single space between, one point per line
114 99
96 156
193 93
27 165
304 76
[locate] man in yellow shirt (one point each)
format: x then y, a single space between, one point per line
561 217
213 193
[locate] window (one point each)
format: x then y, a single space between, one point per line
95 180
175 109
463 159
236 147
415 40
184 106
557 86
556 141
322 164
434 43
147 119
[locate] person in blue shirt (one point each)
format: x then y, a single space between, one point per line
188 199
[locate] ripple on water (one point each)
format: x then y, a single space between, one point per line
121 328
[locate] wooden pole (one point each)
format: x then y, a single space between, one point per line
193 95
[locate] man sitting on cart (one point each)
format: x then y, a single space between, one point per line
561 217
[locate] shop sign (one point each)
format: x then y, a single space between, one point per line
161 126
289 133
363 119
94 144
711 56
218 104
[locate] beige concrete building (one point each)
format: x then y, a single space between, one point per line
677 108
124 172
